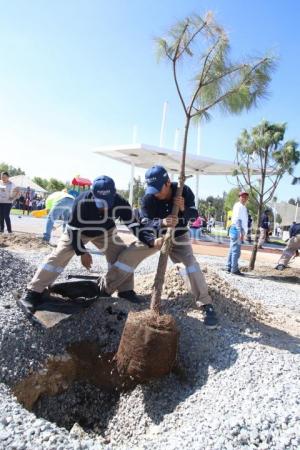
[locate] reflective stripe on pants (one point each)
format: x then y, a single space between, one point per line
292 246
180 253
110 243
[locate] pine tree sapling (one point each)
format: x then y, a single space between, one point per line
205 79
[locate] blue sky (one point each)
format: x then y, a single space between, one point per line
75 75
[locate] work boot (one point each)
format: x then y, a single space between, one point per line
210 317
76 289
239 273
131 296
280 267
29 302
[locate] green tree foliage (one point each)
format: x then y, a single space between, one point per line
212 206
138 191
55 185
13 171
43 182
278 219
51 185
231 199
264 148
201 46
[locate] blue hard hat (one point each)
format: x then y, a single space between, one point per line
104 191
156 177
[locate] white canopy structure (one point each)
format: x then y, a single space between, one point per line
23 182
145 156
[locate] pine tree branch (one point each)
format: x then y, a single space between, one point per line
203 75
223 75
174 61
192 38
230 92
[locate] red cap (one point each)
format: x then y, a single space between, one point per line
243 193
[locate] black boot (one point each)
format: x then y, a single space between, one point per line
131 296
29 302
239 273
210 317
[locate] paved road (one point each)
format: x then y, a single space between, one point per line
208 245
28 224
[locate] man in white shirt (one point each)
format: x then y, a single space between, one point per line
237 231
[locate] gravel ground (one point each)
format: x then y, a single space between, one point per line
238 387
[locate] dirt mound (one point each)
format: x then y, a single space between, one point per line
174 285
227 300
289 275
26 241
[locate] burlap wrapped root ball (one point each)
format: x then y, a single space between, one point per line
148 346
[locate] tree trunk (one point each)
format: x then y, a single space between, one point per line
163 257
256 239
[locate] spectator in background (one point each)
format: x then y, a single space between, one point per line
195 228
40 204
249 232
27 201
278 231
20 201
228 222
211 224
237 231
264 228
204 224
8 194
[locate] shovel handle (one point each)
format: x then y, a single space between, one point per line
83 277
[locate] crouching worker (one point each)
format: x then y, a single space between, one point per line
92 220
292 247
59 204
156 207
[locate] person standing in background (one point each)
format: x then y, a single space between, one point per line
237 231
8 194
27 201
249 232
195 228
264 228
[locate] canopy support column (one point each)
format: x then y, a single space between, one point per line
131 184
197 190
296 212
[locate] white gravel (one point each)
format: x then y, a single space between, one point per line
241 389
